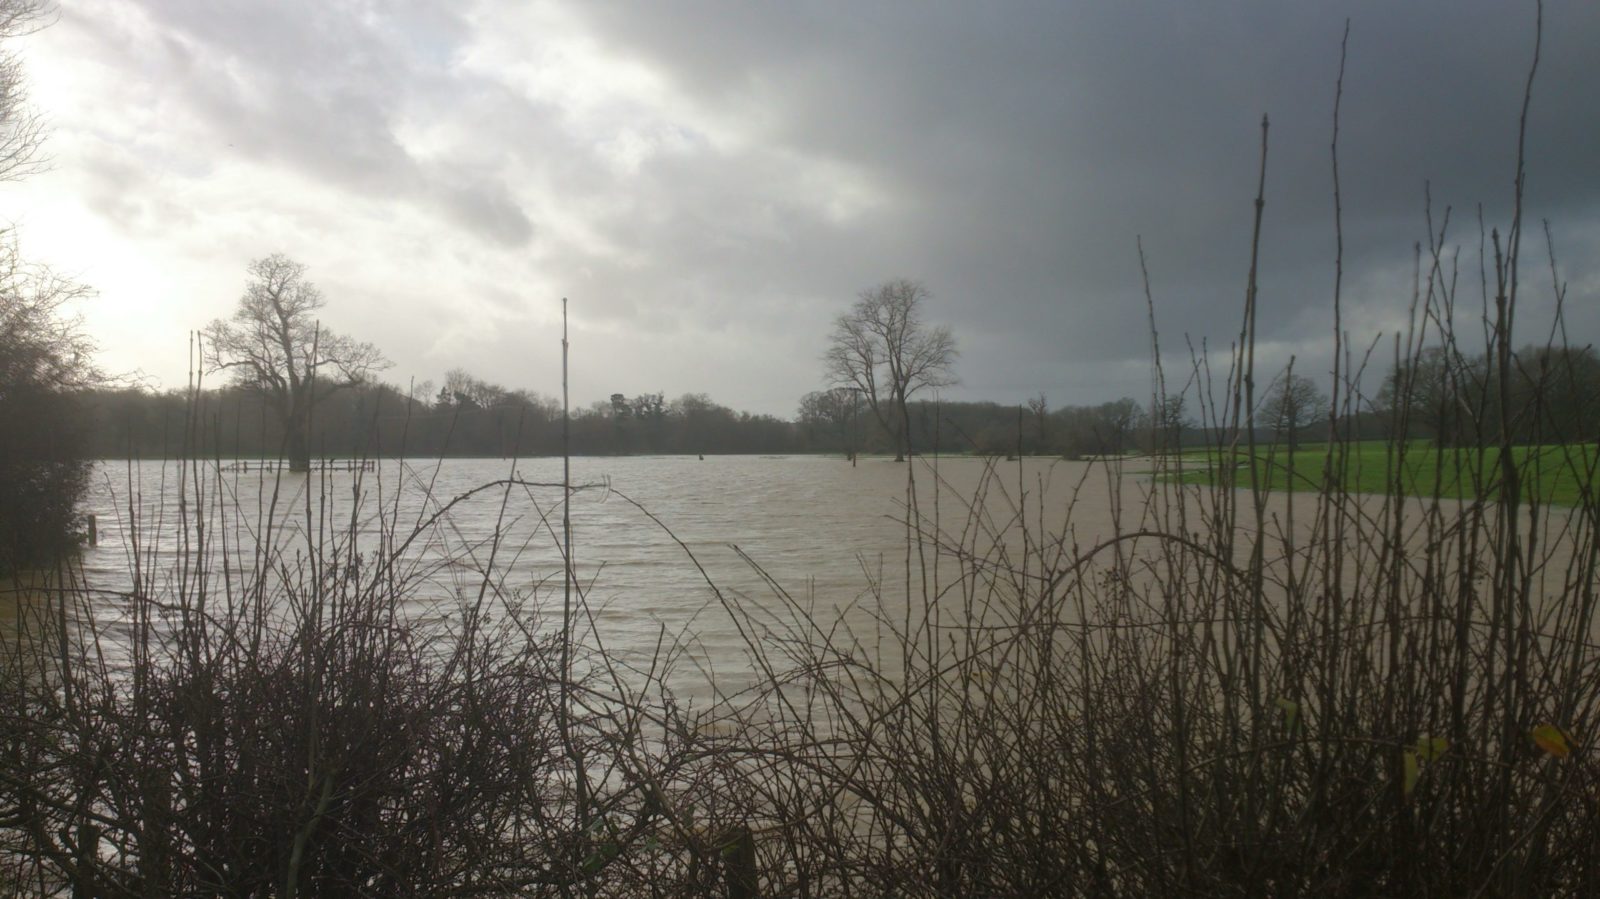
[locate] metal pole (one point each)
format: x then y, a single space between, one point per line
566 509
580 775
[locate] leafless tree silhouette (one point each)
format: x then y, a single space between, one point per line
274 345
882 347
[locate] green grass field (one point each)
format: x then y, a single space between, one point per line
1560 474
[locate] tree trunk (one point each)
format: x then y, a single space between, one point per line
902 441
299 446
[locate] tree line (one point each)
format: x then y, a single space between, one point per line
1452 397
297 391
383 420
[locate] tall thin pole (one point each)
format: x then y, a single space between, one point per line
580 775
566 511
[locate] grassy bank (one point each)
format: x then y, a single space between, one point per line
1559 474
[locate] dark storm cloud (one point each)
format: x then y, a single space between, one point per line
1026 146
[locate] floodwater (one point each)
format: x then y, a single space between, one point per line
650 535
701 554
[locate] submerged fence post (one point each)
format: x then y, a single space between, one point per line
88 851
739 865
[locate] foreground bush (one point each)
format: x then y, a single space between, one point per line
43 360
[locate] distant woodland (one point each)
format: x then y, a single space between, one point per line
470 418
381 420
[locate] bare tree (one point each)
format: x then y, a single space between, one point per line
1291 404
1167 421
274 345
882 347
21 128
463 390
1114 421
1039 406
834 412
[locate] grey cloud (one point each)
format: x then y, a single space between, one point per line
1028 145
488 210
318 88
1013 153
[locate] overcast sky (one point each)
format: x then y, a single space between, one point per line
711 183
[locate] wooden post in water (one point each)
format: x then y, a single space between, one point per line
739 865
94 531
